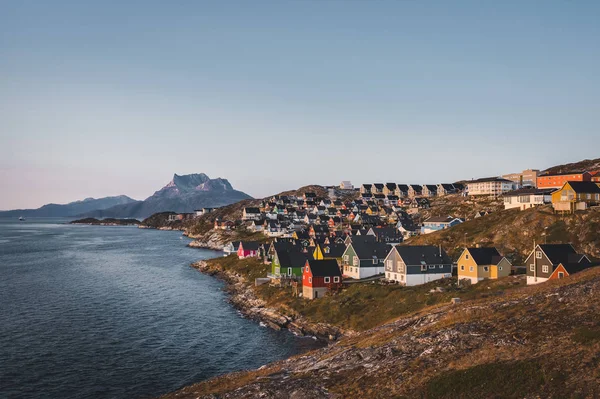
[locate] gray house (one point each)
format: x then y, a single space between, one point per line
417 264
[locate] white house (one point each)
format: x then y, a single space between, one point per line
526 198
490 186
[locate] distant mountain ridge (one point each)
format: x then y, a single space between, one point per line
184 193
589 165
71 209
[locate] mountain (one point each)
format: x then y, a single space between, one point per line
181 194
70 209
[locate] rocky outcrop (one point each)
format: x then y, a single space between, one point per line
540 341
242 296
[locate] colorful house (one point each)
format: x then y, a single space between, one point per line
333 251
363 259
320 277
439 223
576 196
546 259
476 264
289 263
417 264
248 249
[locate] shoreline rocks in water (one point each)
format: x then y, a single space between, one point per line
245 300
107 222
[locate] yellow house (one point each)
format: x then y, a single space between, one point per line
576 196
478 264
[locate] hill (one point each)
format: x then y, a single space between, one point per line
513 232
589 165
182 194
535 341
71 209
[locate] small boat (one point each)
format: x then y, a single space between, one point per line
21 218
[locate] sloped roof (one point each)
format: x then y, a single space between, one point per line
485 255
335 250
440 219
370 250
419 254
293 258
586 187
250 245
324 268
559 253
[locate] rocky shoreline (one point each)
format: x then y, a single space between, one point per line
244 299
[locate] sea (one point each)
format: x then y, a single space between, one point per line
117 312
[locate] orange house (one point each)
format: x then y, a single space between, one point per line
558 180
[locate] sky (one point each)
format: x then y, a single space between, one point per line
103 98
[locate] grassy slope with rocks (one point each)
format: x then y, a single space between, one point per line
513 232
534 341
589 165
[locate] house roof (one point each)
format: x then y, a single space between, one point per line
431 187
485 255
577 267
403 187
391 186
335 250
440 219
490 179
324 268
560 253
293 258
252 210
526 191
587 187
447 186
250 245
370 250
419 254
378 185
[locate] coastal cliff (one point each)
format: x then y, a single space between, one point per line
243 297
536 341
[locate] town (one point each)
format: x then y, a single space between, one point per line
319 242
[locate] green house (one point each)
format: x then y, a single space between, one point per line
289 262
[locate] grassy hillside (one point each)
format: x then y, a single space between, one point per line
513 232
536 341
589 165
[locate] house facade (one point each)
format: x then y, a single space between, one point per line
434 224
320 277
417 264
527 178
558 180
490 186
544 260
363 259
526 198
248 249
476 264
576 196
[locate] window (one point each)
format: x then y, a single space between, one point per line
545 269
289 271
471 268
307 269
538 254
486 269
462 267
327 280
355 260
500 268
336 279
310 280
440 266
387 275
432 266
532 267
389 264
402 277
346 258
467 256
374 261
561 275
423 268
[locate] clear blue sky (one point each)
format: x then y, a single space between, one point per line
113 97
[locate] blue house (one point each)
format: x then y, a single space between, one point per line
439 223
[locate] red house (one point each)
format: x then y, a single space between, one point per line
248 249
320 276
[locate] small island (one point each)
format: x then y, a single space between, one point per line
107 222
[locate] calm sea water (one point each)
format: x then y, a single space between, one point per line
116 312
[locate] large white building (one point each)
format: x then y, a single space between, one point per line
491 186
